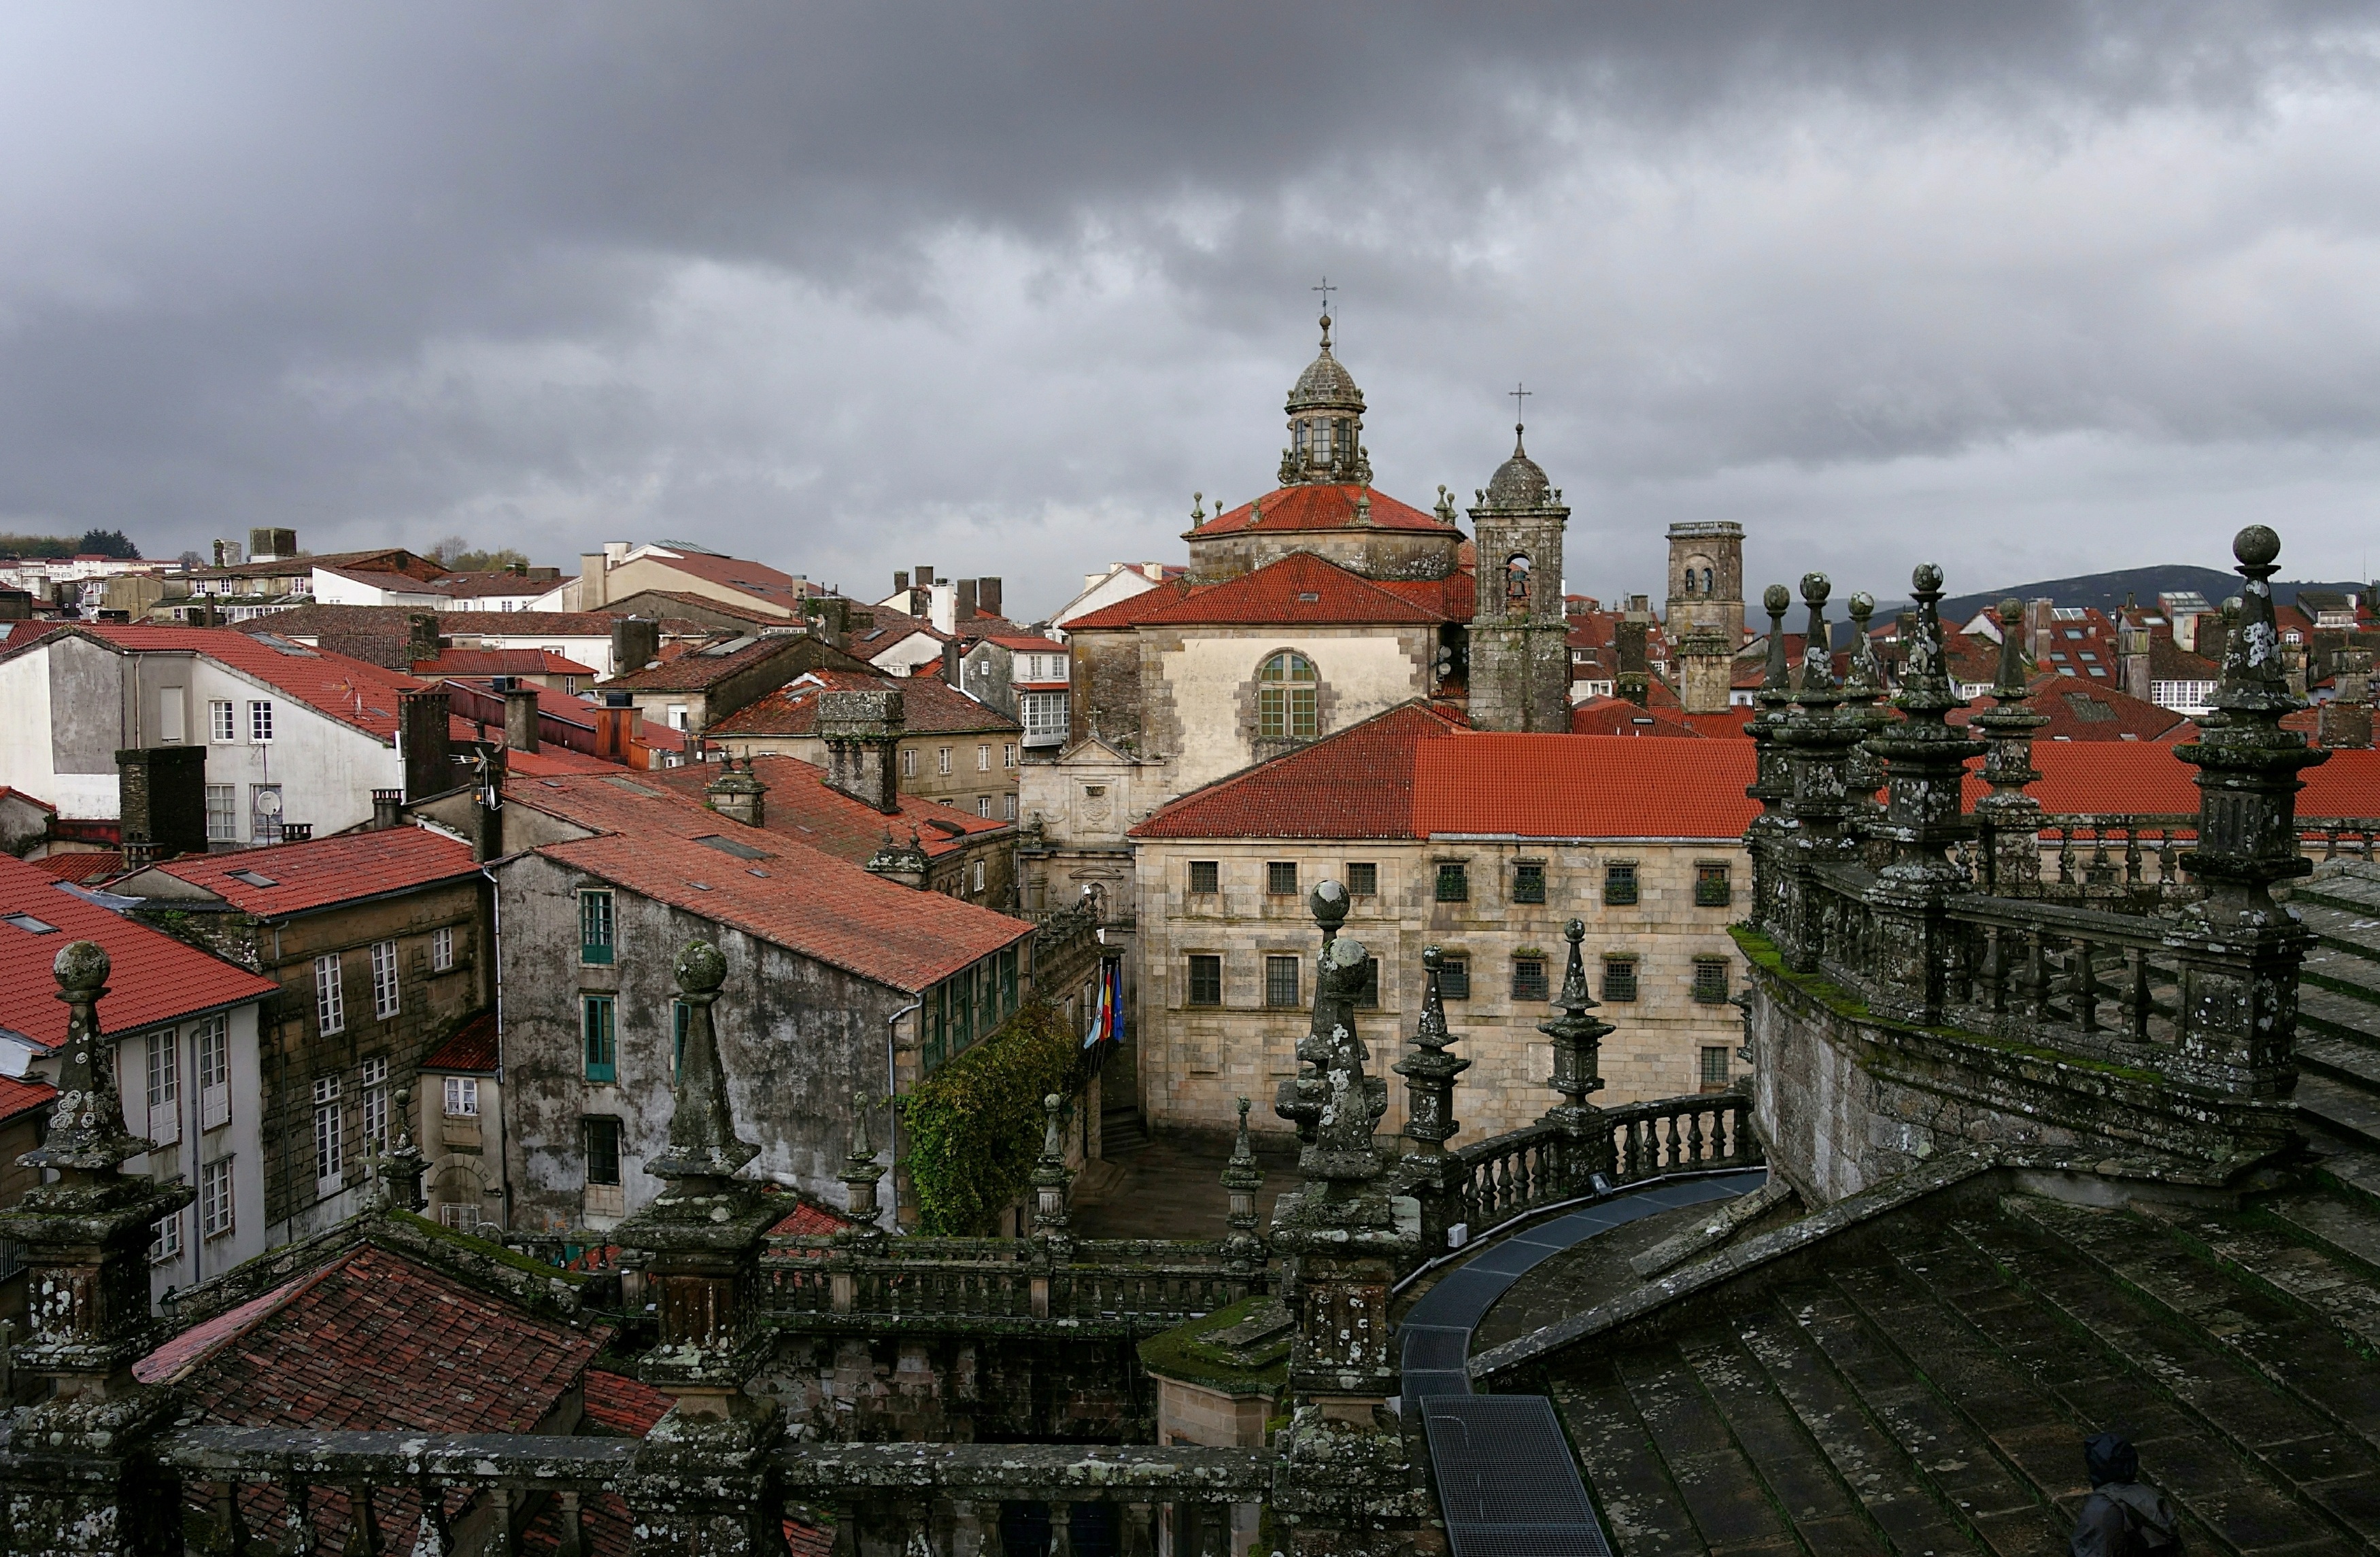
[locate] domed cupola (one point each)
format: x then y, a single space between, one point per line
1326 425
1520 482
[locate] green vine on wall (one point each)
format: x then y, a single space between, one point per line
975 1125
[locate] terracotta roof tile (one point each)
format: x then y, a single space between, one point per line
697 668
1319 507
1300 590
928 705
349 690
1583 786
83 867
755 578
805 1218
651 842
293 878
500 662
1357 784
801 805
20 1096
472 1047
154 977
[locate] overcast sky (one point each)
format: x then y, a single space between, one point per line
2025 289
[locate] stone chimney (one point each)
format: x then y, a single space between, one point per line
1707 671
520 712
737 796
388 809
862 731
986 596
636 643
162 798
592 568
422 727
2346 720
2132 659
963 610
1631 676
617 719
900 582
420 637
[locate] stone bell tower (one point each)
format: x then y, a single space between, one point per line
1706 580
1520 662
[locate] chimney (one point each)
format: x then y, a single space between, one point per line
421 726
1707 671
2346 720
964 608
862 731
297 832
520 713
617 723
899 583
925 576
388 809
1630 677
162 798
738 797
954 663
590 580
986 596
636 643
420 637
2133 660
941 608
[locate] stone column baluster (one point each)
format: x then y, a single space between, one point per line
861 1175
1062 1529
2238 950
1242 1177
1053 1243
1431 1072
2010 858
1772 783
1577 1040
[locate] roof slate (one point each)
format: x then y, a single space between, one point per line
698 668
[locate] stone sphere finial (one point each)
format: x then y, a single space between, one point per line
1777 599
1328 901
1346 952
1861 605
1575 931
1927 578
1816 588
2011 612
2256 546
81 965
1432 958
700 969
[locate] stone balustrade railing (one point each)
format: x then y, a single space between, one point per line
1124 1287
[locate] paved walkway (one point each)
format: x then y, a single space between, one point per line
1171 1189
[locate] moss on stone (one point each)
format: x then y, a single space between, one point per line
1182 1354
481 1248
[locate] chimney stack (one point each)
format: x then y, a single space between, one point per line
862 731
388 809
421 726
2133 660
1631 676
636 643
964 609
520 712
162 798
2346 721
986 596
617 723
738 797
1707 671
899 583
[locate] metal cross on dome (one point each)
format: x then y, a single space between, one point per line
1517 391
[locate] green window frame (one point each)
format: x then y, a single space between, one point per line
1008 983
1363 878
987 997
962 1011
1368 997
1453 880
1287 698
1280 878
1713 887
1280 983
598 928
1206 877
1529 882
1715 1077
1620 882
599 1037
937 1023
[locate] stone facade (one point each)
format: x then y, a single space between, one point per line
1196 1060
1707 579
1519 654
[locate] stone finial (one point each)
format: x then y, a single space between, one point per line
87 1133
860 1172
1242 1177
1342 1164
704 1153
1052 1180
1330 903
1299 1100
2010 859
1817 684
1445 509
1578 1040
1777 600
1198 507
1429 1071
2011 685
1865 677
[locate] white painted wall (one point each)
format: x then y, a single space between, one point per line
1121 582
917 653
333 588
1368 670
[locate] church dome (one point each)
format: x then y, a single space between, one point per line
1325 382
1520 481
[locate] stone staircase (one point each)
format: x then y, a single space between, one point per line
1121 1132
1927 1389
2338 1004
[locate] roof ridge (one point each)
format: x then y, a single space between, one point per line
1275 764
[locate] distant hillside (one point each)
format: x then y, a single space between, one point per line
2107 590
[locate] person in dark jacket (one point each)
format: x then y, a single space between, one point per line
2121 1519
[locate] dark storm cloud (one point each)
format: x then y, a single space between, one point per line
833 284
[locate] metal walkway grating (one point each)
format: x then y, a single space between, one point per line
1506 1480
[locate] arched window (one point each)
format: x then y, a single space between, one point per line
1707 582
1285 698
1516 582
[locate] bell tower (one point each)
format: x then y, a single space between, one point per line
1520 659
1326 425
1706 580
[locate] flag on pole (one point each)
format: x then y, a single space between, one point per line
1107 1016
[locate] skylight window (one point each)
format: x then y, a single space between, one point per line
30 925
729 845
283 645
633 787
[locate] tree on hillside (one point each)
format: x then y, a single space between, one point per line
109 543
456 553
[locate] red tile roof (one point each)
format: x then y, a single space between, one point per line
1319 507
1618 716
623 1404
81 867
697 668
154 978
472 1048
2113 777
795 896
805 1218
1027 643
1357 784
500 662
350 691
1583 786
20 1096
327 870
2087 710
1301 589
801 805
929 706
372 1342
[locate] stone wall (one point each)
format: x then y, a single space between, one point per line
1373 554
960 1389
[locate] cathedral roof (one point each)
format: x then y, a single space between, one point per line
1301 589
1321 506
